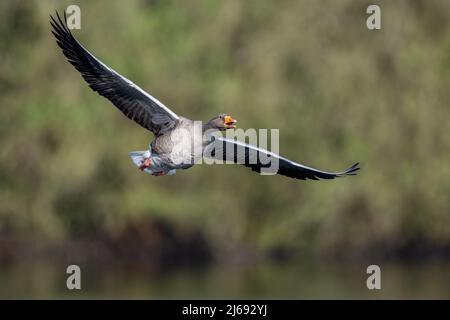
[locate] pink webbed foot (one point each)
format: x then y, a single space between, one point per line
159 173
145 164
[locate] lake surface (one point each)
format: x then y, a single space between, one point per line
45 279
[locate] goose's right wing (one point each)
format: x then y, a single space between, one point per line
259 159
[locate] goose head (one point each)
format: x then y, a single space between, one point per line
222 122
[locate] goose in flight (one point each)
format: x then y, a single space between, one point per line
175 136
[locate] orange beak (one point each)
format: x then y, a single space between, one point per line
229 122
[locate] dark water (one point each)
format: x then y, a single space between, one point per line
292 281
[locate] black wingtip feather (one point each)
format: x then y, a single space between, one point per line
352 170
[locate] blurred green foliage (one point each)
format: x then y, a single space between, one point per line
338 92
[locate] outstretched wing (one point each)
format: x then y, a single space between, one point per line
134 102
262 160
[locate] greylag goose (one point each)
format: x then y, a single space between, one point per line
175 136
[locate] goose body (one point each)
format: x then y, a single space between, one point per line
179 142
177 147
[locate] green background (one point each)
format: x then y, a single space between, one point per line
338 92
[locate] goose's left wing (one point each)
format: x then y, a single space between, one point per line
259 160
131 100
